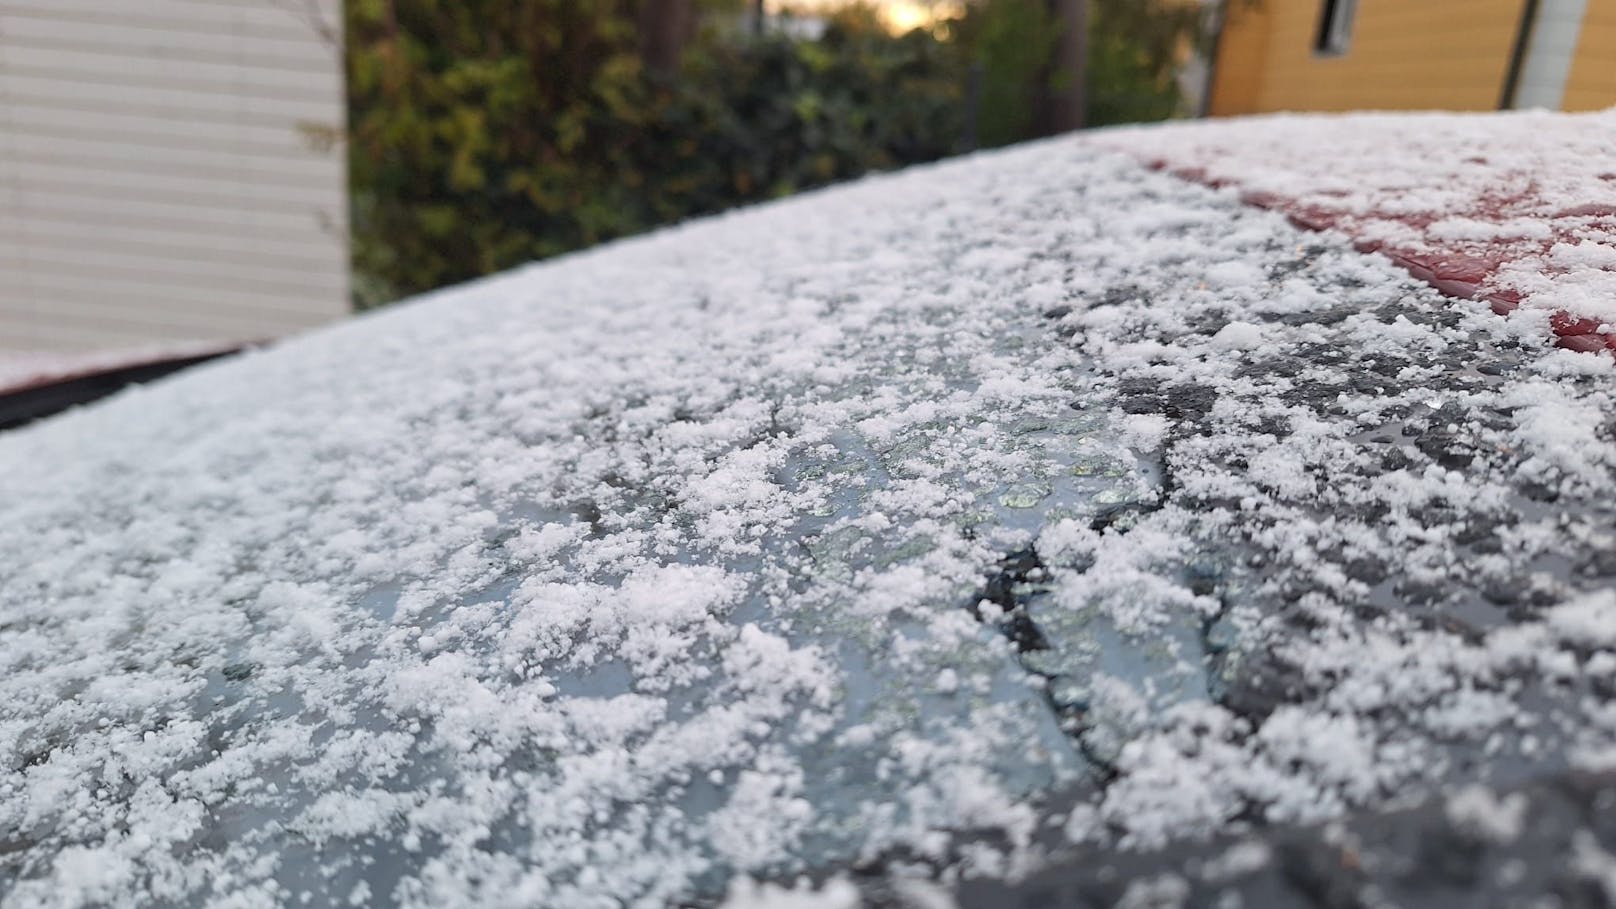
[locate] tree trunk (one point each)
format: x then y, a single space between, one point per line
666 26
1067 98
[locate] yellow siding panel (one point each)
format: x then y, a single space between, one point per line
1238 78
1592 83
1404 55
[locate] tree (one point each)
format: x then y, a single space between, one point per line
1031 52
1066 101
666 27
488 133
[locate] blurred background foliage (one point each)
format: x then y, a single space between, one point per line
488 133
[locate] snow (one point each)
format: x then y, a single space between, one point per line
749 894
678 569
1482 812
1502 208
1238 860
1238 336
1594 865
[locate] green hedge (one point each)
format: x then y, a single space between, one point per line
488 133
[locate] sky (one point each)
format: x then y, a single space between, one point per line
900 15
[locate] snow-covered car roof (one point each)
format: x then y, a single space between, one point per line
990 524
35 384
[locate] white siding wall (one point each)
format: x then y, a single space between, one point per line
157 181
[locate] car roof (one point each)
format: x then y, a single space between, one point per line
1028 505
35 386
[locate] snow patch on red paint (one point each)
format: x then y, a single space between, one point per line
1511 209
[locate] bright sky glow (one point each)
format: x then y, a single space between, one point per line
899 15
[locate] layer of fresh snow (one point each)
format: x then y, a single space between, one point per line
1505 208
606 580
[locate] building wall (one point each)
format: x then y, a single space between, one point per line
1592 82
1242 61
1404 55
157 178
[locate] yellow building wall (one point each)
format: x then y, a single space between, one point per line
1404 55
1592 82
1237 78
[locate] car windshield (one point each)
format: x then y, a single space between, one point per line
948 520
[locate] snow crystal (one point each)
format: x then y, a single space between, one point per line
1594 864
1237 861
1588 621
1478 810
837 893
1238 336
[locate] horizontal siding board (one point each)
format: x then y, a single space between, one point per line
217 140
33 336
243 242
309 194
115 261
299 54
173 74
134 198
138 123
94 311
222 315
72 324
70 328
80 321
146 78
79 209
267 19
27 332
201 103
179 163
216 304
